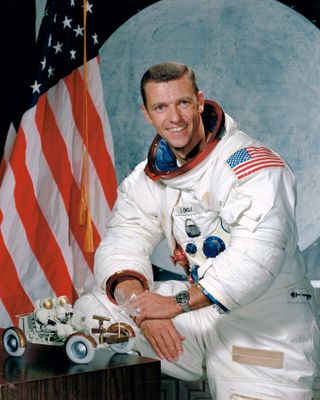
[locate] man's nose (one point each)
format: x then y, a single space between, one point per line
174 114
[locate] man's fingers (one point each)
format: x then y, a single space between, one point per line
177 340
167 347
164 338
155 347
172 349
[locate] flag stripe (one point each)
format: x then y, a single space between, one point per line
64 120
10 285
4 317
40 237
54 149
28 269
257 161
50 201
105 170
96 94
257 168
83 276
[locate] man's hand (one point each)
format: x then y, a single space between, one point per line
165 340
153 306
149 305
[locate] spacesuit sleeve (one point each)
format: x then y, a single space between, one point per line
132 233
260 213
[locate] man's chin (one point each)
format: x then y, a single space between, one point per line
184 152
179 149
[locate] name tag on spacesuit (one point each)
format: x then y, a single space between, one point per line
187 210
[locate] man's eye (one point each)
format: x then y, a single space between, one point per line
159 108
185 103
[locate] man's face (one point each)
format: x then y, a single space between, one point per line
174 109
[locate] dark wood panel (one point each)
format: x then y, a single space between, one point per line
46 373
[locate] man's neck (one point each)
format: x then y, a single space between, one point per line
182 159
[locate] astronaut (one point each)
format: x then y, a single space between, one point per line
225 202
62 309
44 314
54 315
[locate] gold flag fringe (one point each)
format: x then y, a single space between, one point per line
83 202
84 206
88 237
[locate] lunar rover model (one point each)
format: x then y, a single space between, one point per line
53 323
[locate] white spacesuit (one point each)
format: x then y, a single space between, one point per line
229 217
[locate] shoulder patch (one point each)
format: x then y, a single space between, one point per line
251 159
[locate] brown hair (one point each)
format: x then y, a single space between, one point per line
164 72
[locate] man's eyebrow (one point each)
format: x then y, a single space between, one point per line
160 103
163 103
190 98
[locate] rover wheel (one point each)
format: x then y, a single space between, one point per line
125 330
14 341
80 348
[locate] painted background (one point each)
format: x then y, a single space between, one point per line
258 58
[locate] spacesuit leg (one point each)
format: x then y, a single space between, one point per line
256 353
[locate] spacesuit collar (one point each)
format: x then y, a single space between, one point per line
162 163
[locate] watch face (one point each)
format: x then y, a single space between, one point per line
183 297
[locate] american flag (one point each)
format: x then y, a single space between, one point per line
251 159
63 145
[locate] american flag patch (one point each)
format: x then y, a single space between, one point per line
251 159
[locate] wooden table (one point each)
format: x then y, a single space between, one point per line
46 373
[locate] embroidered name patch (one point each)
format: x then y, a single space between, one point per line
251 159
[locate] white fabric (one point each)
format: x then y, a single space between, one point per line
210 337
253 277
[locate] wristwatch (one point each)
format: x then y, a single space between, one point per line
182 298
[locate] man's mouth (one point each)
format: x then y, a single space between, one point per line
178 129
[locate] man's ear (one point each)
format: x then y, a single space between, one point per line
200 101
146 114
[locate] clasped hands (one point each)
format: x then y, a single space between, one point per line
153 313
